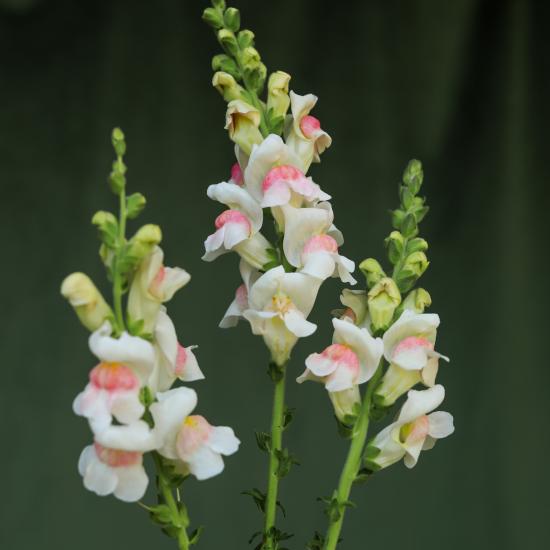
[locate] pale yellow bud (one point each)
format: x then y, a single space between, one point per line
383 300
242 122
227 86
277 93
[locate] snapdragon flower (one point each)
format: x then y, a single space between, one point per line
414 430
191 442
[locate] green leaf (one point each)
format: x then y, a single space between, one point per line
161 514
196 535
288 416
317 542
285 461
263 440
258 497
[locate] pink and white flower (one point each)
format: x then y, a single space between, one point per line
153 285
240 303
279 304
190 440
236 175
305 136
126 364
414 430
351 359
173 361
309 246
116 471
409 348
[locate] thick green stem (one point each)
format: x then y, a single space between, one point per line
117 276
353 462
277 420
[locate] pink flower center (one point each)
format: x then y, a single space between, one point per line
113 376
281 173
194 433
343 356
232 216
320 243
116 458
415 431
181 360
241 296
412 342
309 124
237 174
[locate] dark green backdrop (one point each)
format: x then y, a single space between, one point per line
462 85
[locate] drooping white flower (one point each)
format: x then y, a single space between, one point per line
173 361
190 440
153 284
309 247
352 358
237 198
305 136
116 471
240 303
126 364
279 304
413 431
409 348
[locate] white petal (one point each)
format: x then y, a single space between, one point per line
441 424
132 437
258 320
421 402
308 375
99 478
413 452
277 195
412 358
345 268
222 440
191 370
205 463
86 457
298 325
301 289
391 450
231 316
132 483
320 265
265 287
165 336
341 379
127 407
214 242
320 365
174 279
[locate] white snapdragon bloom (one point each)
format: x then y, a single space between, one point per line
409 348
279 305
240 303
173 361
274 178
116 471
351 359
190 441
309 247
305 136
126 364
413 431
152 285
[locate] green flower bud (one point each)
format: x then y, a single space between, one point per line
416 245
346 404
395 243
135 204
224 63
228 42
277 93
87 301
250 58
417 300
117 181
397 217
232 19
245 38
119 143
413 176
227 86
409 227
107 225
383 300
417 263
143 242
219 4
213 18
256 77
356 301
372 271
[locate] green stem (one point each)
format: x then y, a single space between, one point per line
117 277
168 497
353 462
276 445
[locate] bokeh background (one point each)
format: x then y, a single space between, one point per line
462 85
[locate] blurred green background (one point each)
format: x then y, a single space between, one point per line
461 85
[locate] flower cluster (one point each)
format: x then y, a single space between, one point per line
130 401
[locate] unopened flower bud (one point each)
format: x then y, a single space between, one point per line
256 77
87 301
144 241
227 86
226 64
232 19
346 404
277 93
119 143
250 57
245 38
416 245
417 300
383 300
242 122
395 243
413 176
417 263
212 17
356 300
372 271
228 41
135 203
395 383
